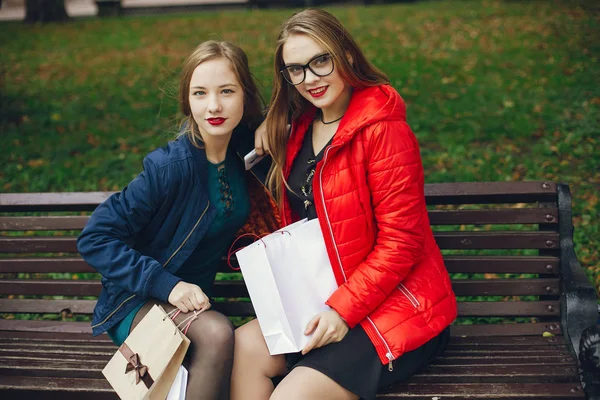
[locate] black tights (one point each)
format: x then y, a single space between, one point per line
210 357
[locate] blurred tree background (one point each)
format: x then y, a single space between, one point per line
496 91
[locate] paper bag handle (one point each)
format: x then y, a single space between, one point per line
175 312
232 252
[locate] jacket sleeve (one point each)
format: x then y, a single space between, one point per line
395 180
105 241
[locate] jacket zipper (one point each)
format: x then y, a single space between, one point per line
389 354
188 236
413 300
170 258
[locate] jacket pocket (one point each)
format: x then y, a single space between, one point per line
413 300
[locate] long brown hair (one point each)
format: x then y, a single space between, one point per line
210 50
325 29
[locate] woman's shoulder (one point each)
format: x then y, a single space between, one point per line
176 151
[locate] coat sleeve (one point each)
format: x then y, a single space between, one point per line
105 241
395 180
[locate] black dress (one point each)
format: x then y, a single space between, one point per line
353 362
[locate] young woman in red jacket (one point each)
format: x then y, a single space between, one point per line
351 161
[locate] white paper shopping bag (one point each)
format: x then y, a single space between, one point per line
179 385
289 278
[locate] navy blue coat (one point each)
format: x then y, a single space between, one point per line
139 237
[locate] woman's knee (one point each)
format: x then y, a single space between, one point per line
251 349
213 329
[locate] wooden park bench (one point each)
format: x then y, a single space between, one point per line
524 298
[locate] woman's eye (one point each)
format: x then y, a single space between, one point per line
227 91
294 70
323 59
199 93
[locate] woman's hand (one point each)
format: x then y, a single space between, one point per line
327 327
261 139
261 142
188 297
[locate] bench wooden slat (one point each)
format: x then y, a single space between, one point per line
507 329
43 327
446 240
433 374
95 389
45 223
494 216
522 329
54 368
69 352
439 193
49 338
465 309
490 192
501 264
496 240
536 359
462 264
237 288
54 329
42 336
497 373
464 391
106 353
513 341
541 347
436 217
38 344
46 306
44 265
73 201
39 244
25 388
506 287
509 309
43 349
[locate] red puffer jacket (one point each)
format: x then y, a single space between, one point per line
370 203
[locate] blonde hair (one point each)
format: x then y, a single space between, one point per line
286 101
210 50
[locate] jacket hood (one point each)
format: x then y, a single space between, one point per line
367 106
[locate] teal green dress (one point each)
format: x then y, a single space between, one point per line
229 195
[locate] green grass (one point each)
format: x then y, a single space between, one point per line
495 91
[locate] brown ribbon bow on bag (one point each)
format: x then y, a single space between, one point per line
134 364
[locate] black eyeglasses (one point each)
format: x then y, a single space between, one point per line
320 65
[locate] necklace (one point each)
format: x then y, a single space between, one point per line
330 122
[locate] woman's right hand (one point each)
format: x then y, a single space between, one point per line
188 297
261 141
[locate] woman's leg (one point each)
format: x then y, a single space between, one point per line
210 357
306 383
253 366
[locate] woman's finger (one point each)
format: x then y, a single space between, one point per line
201 299
317 336
310 327
181 305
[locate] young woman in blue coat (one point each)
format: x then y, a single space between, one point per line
160 239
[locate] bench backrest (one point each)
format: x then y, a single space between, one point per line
500 242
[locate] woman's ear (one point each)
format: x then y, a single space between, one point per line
349 58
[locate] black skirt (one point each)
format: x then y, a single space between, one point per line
354 364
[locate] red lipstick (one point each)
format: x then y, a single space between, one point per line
216 121
321 91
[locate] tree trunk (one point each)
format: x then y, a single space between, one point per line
45 11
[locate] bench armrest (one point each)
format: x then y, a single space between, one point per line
579 305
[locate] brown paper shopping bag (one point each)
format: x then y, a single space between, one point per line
147 362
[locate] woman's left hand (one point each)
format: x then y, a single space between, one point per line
327 327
